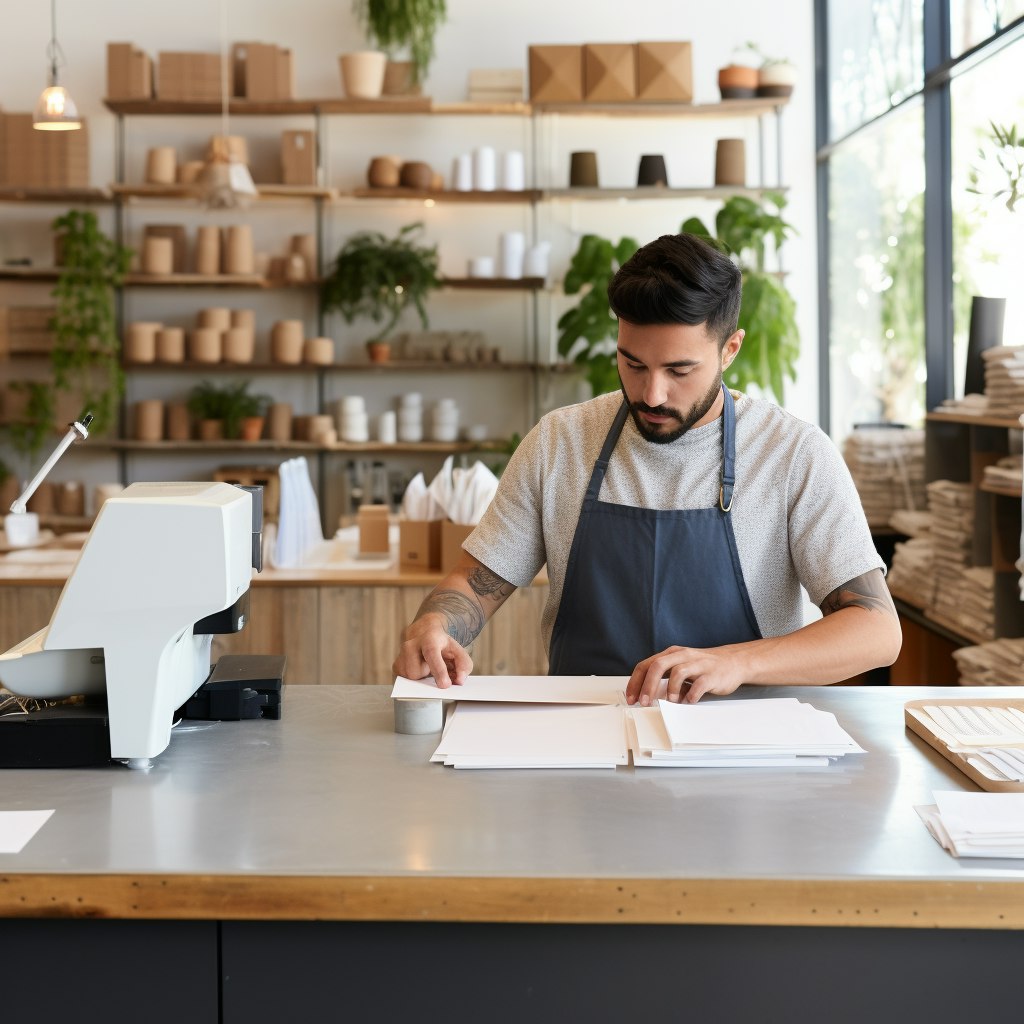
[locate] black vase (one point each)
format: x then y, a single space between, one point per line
987 316
652 170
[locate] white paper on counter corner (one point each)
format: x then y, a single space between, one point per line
519 689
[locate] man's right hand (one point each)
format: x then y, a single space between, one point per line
428 650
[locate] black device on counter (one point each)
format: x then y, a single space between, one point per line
240 686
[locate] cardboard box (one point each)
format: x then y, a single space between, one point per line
419 543
188 77
609 72
262 72
372 521
285 74
496 85
33 159
298 157
556 74
664 72
129 73
26 330
452 536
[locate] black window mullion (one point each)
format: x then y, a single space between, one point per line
824 256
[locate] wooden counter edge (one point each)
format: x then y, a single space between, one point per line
971 903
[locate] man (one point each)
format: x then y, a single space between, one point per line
678 521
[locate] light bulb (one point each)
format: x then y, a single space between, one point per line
56 111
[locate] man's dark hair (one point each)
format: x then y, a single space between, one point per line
679 279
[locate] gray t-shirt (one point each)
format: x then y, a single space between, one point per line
796 514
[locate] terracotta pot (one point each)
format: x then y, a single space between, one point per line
731 162
170 345
208 250
737 82
157 255
44 501
179 424
286 338
140 342
70 499
583 170
206 345
239 256
416 174
216 316
362 74
279 421
318 351
211 430
243 318
399 79
383 172
161 165
149 420
379 351
319 429
239 345
252 428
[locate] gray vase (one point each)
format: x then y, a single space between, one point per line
987 317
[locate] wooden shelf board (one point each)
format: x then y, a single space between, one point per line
29 273
15 194
656 192
393 366
726 108
1006 490
209 281
495 283
922 617
267 191
1010 422
194 447
441 195
396 105
243 108
194 367
468 107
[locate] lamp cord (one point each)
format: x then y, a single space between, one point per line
53 50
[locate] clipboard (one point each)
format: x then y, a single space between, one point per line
955 757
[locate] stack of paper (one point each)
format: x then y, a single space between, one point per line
912 576
737 734
911 524
977 824
1004 379
887 466
989 737
1007 472
998 663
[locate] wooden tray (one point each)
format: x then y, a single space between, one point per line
953 756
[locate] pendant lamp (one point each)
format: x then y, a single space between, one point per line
224 182
55 110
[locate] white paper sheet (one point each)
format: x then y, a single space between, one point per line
520 689
18 827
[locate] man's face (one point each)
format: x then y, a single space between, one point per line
671 375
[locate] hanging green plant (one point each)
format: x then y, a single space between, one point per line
771 345
587 332
86 354
396 25
29 434
380 277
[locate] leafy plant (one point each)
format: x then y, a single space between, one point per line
404 24
86 354
1002 158
380 277
36 425
743 229
230 403
587 332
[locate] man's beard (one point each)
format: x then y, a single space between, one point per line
662 435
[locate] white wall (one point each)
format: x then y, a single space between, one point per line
478 34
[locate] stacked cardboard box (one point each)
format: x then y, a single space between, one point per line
262 71
298 157
35 159
496 85
129 73
188 77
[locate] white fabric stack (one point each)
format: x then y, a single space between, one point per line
997 663
911 524
969 405
298 529
887 466
952 531
1007 472
977 824
1004 379
912 575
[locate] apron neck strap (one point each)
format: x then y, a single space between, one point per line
601 466
728 451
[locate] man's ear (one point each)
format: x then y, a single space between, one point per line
731 348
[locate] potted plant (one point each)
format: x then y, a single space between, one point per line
222 412
738 80
587 332
380 277
776 77
253 411
86 353
403 28
743 229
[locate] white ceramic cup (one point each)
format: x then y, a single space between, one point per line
22 529
481 266
513 171
462 173
387 428
485 176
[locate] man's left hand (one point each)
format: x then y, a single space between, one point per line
691 673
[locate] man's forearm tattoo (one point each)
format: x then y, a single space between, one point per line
868 591
463 619
489 584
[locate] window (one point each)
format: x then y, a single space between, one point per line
973 21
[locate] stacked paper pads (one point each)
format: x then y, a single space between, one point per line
1004 380
887 466
583 722
977 824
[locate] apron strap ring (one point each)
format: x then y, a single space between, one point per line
721 498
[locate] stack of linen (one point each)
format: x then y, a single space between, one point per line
963 596
887 466
911 524
912 577
1004 380
1007 473
998 663
977 824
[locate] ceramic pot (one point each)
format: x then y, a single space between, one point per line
416 174
70 499
383 172
362 74
286 340
140 342
319 429
583 169
295 269
731 162
170 345
279 422
214 316
652 170
188 172
211 430
44 501
318 351
9 491
239 256
161 165
399 79
988 316
243 318
206 345
208 250
149 420
251 428
305 246
157 255
776 80
379 351
737 82
179 425
239 345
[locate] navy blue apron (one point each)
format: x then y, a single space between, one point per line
639 580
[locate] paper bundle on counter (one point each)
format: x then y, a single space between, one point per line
298 529
976 824
887 466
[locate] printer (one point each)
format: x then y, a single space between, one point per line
165 566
